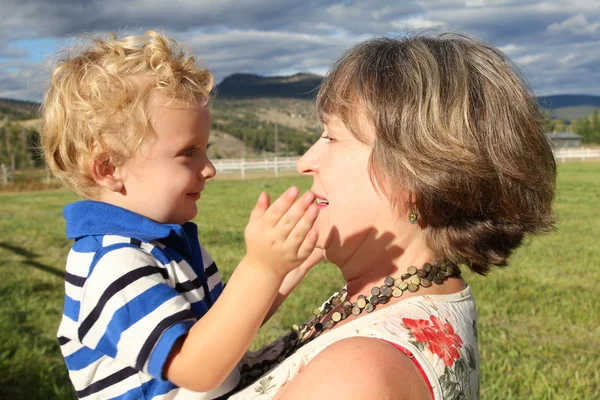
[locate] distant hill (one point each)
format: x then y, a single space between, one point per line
570 114
240 127
569 100
21 105
304 86
298 86
18 110
248 108
569 107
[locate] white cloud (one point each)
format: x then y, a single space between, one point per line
512 49
486 3
575 25
418 23
532 58
22 81
11 51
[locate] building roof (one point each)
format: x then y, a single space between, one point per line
563 136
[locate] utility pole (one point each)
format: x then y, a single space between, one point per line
244 143
276 139
276 150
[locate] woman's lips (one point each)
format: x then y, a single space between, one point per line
321 202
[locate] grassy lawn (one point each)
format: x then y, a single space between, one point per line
539 327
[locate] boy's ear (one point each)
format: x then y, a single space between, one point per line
104 172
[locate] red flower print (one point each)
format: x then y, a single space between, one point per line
440 337
447 333
418 328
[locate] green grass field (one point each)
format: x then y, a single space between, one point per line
539 326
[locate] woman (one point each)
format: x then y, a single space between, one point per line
432 156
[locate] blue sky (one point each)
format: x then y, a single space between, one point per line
556 43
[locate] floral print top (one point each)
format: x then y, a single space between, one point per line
439 331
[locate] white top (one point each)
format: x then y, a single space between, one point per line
440 331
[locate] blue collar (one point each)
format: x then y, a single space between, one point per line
93 218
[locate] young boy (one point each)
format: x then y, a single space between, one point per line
125 125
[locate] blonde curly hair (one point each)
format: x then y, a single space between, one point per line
98 96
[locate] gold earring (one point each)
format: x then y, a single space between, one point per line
413 216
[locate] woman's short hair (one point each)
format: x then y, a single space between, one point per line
458 130
98 96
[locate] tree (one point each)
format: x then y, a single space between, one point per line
20 147
552 124
588 128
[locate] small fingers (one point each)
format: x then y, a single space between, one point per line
315 257
302 228
294 214
281 206
307 248
262 205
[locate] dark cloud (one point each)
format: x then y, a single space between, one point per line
555 42
68 17
266 52
565 68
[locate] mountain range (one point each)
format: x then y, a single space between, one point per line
298 86
305 85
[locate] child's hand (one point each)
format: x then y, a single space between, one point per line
315 257
295 276
280 237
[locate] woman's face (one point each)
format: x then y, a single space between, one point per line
350 206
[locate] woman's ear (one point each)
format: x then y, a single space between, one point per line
106 175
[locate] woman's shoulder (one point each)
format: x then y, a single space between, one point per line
414 349
358 368
437 333
429 342
440 332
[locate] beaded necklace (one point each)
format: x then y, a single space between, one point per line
302 334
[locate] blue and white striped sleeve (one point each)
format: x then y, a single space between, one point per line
213 277
130 312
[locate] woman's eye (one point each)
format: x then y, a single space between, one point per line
327 138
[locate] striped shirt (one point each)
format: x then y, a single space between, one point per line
132 288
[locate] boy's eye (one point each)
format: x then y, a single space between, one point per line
327 138
192 150
188 152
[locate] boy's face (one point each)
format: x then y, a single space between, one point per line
164 179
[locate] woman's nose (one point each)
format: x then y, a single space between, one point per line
308 163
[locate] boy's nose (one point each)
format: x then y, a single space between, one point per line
209 170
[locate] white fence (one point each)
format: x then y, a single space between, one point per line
576 154
277 164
